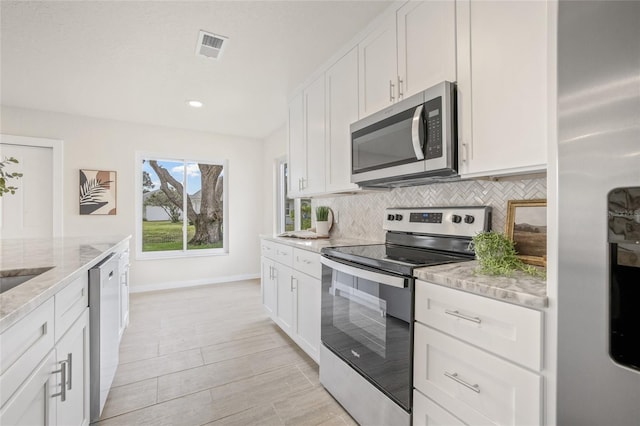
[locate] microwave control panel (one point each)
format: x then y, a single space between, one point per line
433 115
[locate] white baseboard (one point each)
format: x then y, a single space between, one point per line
172 285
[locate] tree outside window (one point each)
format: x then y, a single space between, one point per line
183 205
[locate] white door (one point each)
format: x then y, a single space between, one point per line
314 135
73 348
297 146
35 210
342 110
308 306
284 296
378 68
34 404
426 45
502 86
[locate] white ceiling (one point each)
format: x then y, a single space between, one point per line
135 60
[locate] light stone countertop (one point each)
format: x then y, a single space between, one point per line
520 289
318 244
67 257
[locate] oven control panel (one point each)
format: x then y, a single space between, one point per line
453 221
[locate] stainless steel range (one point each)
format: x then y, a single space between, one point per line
367 307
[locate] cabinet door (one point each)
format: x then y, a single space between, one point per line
428 413
426 45
285 297
73 349
314 109
342 110
502 75
34 404
297 146
473 385
378 68
124 300
124 291
269 299
307 325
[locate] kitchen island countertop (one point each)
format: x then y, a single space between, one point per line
520 289
67 257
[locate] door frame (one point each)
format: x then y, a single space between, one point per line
58 181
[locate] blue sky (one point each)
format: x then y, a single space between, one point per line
176 169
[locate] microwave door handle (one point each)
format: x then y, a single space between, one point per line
418 144
364 273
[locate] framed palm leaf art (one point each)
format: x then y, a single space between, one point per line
97 192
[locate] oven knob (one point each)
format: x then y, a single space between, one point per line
469 219
455 218
398 217
390 217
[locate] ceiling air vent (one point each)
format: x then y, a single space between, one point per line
210 45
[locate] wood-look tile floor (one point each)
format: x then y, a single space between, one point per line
210 355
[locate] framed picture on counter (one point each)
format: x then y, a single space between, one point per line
527 228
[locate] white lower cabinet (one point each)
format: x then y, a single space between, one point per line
33 404
307 329
291 292
73 355
428 413
50 388
268 287
466 370
285 297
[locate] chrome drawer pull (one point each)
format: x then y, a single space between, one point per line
63 381
463 316
455 378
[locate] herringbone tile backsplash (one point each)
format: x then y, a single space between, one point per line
361 215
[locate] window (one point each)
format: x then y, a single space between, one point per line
286 208
168 189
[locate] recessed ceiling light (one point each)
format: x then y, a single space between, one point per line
195 104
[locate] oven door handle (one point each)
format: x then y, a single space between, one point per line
365 274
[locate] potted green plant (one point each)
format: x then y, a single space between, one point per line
322 221
497 255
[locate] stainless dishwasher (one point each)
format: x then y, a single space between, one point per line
104 287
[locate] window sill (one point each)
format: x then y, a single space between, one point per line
180 254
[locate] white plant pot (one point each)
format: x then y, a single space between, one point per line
322 228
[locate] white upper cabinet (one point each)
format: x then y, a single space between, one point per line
378 68
411 50
341 82
306 140
314 98
297 146
502 87
426 45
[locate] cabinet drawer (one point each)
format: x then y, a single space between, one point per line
70 303
477 387
307 262
23 346
278 252
428 413
511 331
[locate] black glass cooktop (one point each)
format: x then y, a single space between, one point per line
393 258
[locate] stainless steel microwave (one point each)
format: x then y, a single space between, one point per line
408 143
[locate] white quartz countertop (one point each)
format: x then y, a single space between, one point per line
520 289
67 257
318 244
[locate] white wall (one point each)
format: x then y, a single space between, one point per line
275 146
111 145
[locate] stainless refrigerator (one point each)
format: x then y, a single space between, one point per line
599 213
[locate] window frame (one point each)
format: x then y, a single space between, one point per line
185 252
